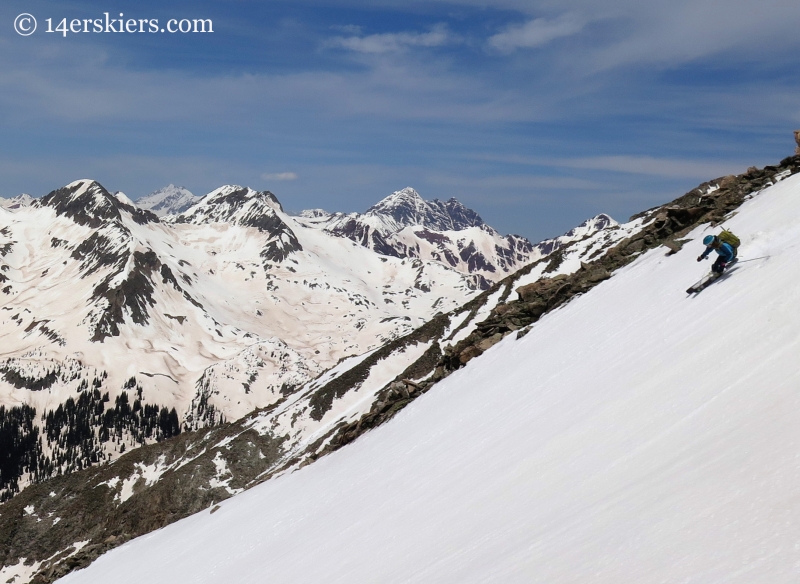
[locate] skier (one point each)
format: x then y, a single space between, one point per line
726 244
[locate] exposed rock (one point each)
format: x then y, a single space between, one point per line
405 225
489 342
468 354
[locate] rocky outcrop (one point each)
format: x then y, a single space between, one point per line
406 208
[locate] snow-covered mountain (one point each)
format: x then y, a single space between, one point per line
169 200
405 225
633 435
23 200
229 307
405 208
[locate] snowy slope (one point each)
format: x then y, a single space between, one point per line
134 328
634 435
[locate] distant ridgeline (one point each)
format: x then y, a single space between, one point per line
73 435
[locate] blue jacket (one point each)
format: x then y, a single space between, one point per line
725 250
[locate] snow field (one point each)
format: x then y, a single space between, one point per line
634 435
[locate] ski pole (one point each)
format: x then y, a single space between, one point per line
753 259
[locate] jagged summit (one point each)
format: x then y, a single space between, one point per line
596 223
169 200
406 207
315 214
585 229
85 201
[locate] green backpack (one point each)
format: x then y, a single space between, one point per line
729 238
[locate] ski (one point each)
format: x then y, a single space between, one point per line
711 278
705 281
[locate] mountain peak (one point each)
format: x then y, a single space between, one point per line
229 199
123 198
18 202
591 225
315 214
406 195
87 202
405 199
406 207
246 207
168 200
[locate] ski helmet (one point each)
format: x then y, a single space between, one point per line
709 240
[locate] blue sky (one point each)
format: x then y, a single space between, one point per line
536 114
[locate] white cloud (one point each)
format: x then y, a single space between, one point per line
536 33
627 164
279 176
652 166
393 42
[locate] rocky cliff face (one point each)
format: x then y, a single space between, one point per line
406 208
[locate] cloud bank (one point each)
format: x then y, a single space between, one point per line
279 176
393 42
536 33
